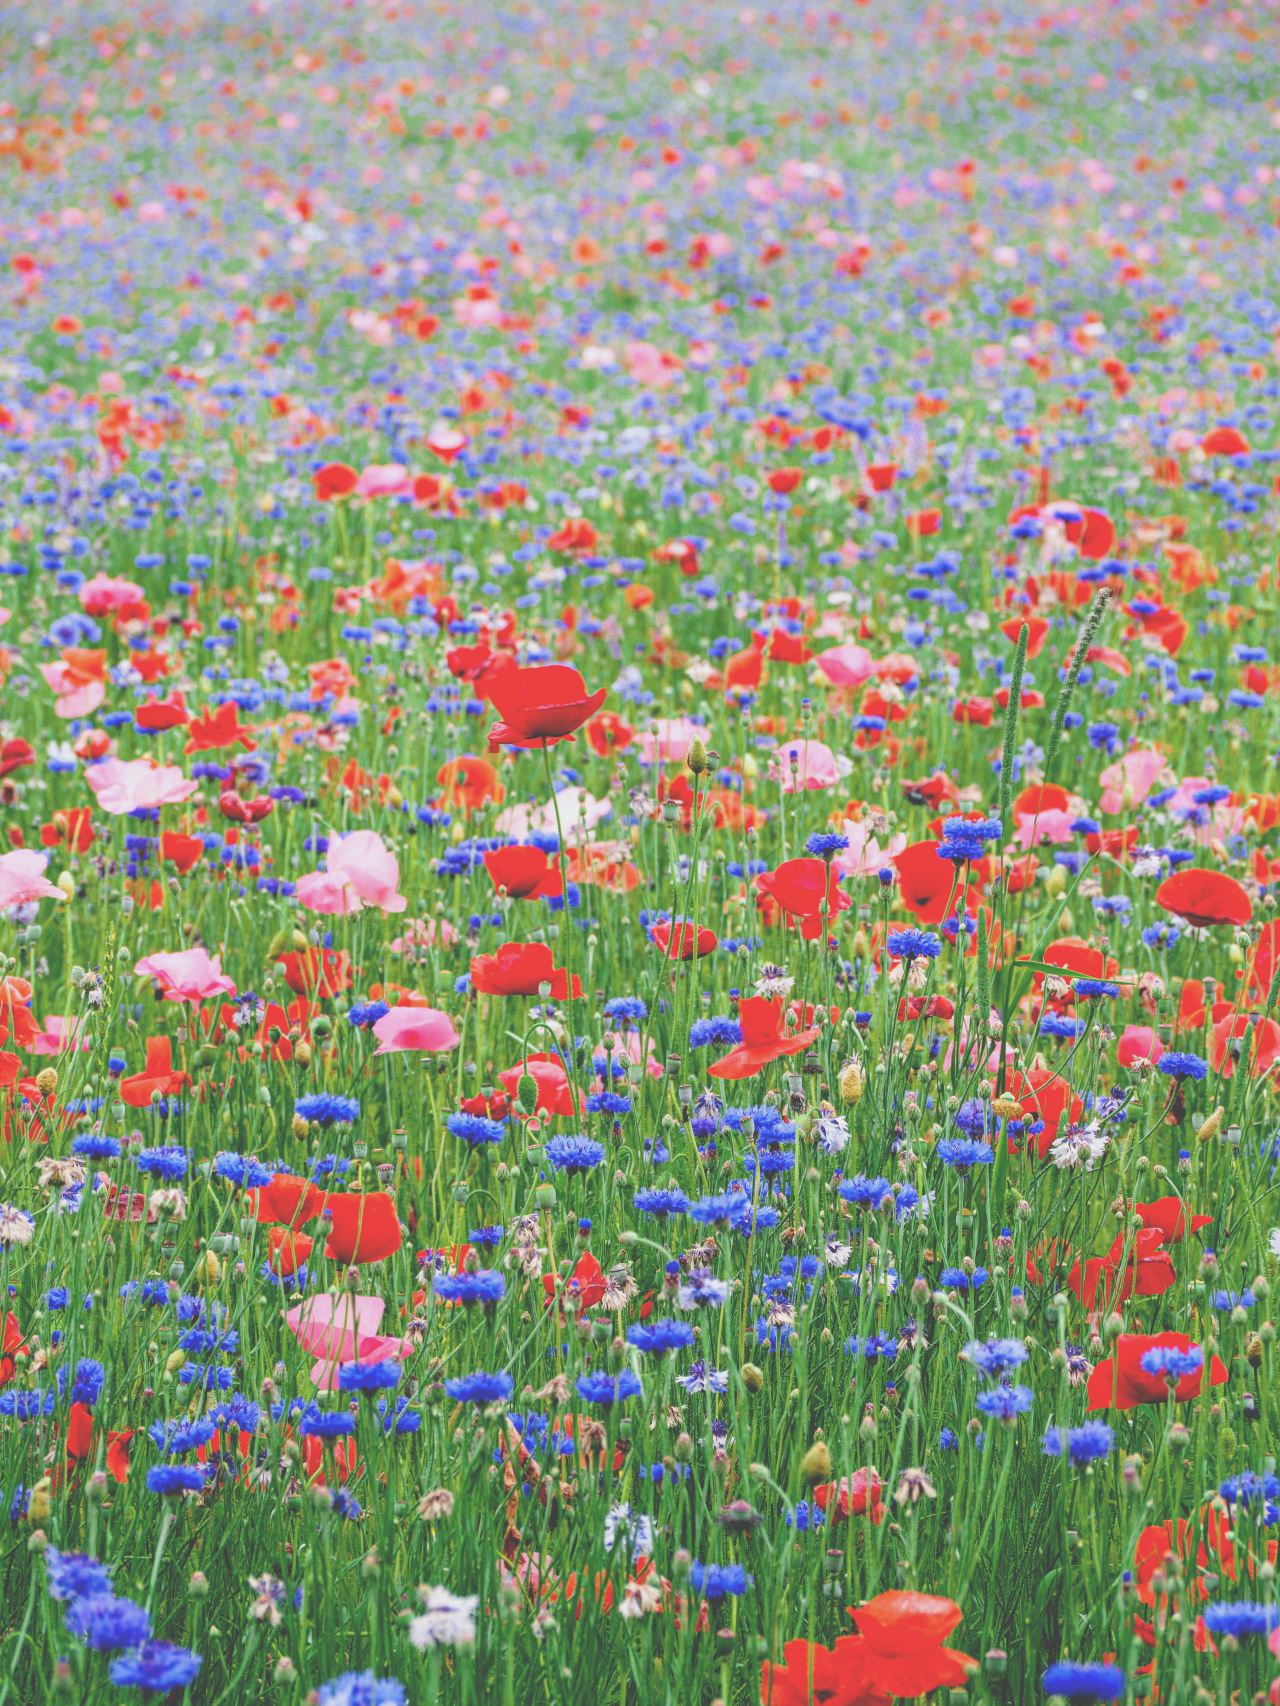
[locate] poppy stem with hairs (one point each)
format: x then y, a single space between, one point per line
571 1059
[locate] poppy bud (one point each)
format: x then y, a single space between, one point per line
527 1093
696 758
852 1083
815 1465
752 1377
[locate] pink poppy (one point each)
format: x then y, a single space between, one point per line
190 975
343 1329
804 766
1130 779
1139 1043
363 871
864 855
22 878
846 666
125 787
110 595
575 806
76 697
383 480
61 1036
423 1030
668 740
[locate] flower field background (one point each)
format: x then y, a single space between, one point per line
638 1036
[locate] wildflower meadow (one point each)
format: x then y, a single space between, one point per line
639 963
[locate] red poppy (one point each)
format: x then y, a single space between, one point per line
1168 1217
520 968
526 873
119 1441
799 886
286 1251
1204 898
763 1039
609 733
13 1344
157 715
1148 1272
181 851
1225 441
15 754
363 1227
926 883
555 1093
316 972
215 729
286 1201
469 782
859 1494
810 1675
334 480
1121 1383
540 706
783 480
680 941
586 1284
1258 1043
1037 632
931 792
71 828
158 1076
903 1634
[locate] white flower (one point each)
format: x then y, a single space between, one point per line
831 1133
1080 1148
16 1225
622 1522
1274 1241
446 1619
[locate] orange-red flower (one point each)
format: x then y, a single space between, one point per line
1205 898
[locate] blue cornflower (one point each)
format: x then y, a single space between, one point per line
1005 1403
864 1192
1084 1682
485 1286
805 1517
96 1146
622 1007
167 1161
108 1623
572 1154
825 845
1173 1364
87 1383
1086 1444
170 1479
480 1388
1178 1063
996 1356
1226 1300
328 1424
964 1152
874 1348
243 1170
1095 989
1250 1489
718 1581
361 1688
177 1437
72 1575
326 1109
368 1376
715 1033
727 1209
475 1129
156 1667
656 1338
1240 1617
608 1389
914 944
1061 1025
661 1202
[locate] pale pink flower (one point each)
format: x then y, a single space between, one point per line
424 1030
75 697
846 666
521 821
1128 781
424 933
864 855
125 786
668 741
343 1329
363 871
1034 829
815 766
61 1036
106 594
22 878
384 480
190 975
